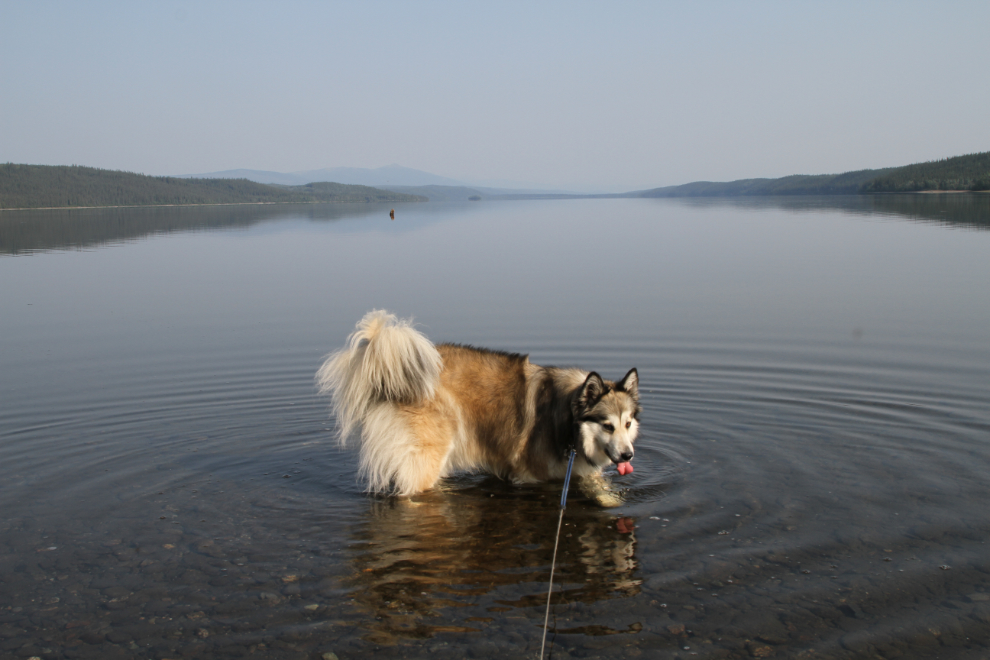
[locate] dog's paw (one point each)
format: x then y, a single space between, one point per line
598 488
609 499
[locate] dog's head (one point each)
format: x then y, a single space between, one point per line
607 415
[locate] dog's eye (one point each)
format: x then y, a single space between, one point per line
628 424
608 427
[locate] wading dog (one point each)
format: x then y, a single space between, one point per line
425 412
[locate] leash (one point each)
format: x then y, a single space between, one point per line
553 563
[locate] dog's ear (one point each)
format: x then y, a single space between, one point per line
630 384
591 391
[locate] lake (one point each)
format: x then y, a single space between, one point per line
810 477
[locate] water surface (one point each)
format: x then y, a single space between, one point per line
810 476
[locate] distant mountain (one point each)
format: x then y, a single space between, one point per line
390 175
258 176
60 186
478 193
849 183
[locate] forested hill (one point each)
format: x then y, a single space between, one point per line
60 186
970 172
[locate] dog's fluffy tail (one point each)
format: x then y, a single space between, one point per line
385 360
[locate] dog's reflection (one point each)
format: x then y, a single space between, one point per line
486 548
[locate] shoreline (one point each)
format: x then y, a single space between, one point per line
508 198
158 206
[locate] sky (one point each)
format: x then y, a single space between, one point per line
585 96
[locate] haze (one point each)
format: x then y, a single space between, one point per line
579 96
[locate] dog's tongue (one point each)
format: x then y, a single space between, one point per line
624 468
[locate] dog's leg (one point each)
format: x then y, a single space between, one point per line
420 471
430 438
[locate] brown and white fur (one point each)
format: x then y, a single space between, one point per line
425 412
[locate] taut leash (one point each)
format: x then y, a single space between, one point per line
553 563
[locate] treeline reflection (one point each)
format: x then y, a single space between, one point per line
26 232
961 210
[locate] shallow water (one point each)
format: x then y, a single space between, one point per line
810 476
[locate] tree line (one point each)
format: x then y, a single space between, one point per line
970 172
59 186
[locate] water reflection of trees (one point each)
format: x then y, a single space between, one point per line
61 229
482 550
964 210
24 232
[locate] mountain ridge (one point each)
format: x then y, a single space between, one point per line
395 175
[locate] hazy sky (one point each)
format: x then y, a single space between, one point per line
615 96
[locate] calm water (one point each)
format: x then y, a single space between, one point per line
811 476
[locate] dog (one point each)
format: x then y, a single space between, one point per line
426 411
